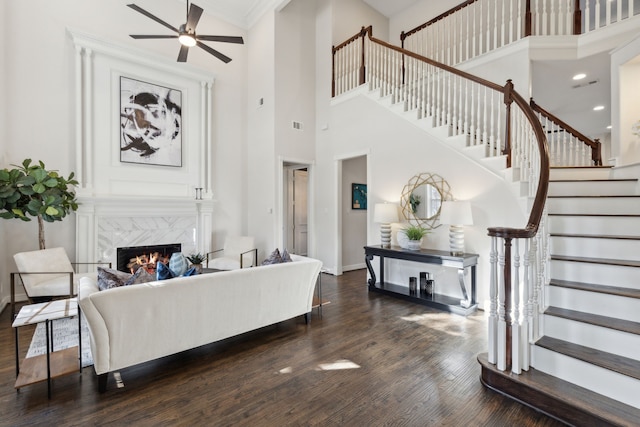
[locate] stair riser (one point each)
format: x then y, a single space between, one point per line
600 274
616 226
600 380
591 188
594 205
594 303
603 339
621 249
579 173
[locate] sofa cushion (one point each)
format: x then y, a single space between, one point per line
285 256
109 278
163 272
178 264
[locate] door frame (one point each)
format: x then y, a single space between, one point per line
285 162
337 250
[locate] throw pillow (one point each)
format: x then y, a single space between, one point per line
109 278
274 258
163 272
178 264
140 276
285 256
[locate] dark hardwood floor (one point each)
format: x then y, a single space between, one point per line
417 367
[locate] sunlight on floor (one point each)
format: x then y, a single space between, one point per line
337 365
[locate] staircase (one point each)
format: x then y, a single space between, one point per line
586 366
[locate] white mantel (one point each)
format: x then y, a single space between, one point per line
107 223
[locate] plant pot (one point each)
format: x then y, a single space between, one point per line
414 245
198 268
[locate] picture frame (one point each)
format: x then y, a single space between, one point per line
150 123
359 196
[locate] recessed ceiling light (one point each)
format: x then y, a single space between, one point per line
609 127
598 108
579 76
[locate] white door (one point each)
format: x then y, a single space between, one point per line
300 181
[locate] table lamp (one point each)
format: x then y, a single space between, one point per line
457 214
385 214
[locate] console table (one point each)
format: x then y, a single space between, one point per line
463 306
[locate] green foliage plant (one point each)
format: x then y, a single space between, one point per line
415 232
196 258
30 190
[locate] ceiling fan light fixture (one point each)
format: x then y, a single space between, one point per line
187 39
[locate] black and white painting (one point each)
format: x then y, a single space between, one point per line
150 123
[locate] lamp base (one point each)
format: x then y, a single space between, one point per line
456 239
385 235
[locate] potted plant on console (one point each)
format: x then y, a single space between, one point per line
415 234
196 261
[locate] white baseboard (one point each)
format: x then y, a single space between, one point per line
354 267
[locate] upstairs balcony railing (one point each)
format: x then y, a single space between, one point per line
489 115
476 27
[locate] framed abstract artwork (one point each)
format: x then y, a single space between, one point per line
359 196
150 123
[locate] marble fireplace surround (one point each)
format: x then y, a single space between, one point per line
105 224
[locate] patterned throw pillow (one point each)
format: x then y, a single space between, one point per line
274 258
178 264
163 272
140 276
109 278
285 256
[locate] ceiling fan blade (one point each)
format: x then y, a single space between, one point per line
139 36
182 56
148 15
214 52
225 39
194 16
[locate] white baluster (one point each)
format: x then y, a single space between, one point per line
502 325
493 303
545 17
515 320
526 299
597 15
488 23
492 136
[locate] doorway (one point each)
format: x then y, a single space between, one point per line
296 209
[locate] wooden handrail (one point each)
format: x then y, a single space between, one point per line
595 145
404 35
510 96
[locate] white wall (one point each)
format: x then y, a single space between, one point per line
354 221
39 87
4 271
625 86
349 16
399 151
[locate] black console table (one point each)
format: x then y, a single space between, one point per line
463 306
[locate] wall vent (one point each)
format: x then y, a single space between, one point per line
592 82
297 125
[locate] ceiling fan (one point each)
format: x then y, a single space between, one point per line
186 34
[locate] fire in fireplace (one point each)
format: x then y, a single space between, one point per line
131 258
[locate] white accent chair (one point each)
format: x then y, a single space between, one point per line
45 274
237 252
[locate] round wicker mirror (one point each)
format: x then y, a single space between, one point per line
422 197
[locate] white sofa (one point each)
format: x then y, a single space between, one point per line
134 324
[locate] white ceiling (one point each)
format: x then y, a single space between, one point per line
390 8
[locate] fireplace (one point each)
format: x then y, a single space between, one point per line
129 259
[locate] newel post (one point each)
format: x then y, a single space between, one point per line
402 37
528 19
508 100
577 18
596 153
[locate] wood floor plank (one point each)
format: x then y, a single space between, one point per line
417 367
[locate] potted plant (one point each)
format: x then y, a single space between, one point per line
196 261
415 234
32 190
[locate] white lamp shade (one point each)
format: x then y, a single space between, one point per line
456 213
385 213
